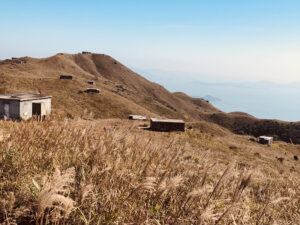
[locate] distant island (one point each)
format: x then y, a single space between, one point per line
211 98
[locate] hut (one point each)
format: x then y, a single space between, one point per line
67 77
20 61
17 60
265 140
85 52
166 125
24 106
91 82
137 117
92 90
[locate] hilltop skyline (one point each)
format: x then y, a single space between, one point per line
197 40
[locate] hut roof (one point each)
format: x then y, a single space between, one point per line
137 117
24 96
266 138
92 90
166 120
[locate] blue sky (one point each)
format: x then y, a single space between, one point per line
228 40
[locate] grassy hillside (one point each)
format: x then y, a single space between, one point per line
79 167
77 172
123 92
242 123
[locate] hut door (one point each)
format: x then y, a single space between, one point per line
43 109
6 110
36 109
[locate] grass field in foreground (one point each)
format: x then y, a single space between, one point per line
77 172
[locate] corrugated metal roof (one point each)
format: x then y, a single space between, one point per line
24 96
166 120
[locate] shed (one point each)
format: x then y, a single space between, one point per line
137 117
265 140
166 125
91 82
68 77
92 90
20 61
24 105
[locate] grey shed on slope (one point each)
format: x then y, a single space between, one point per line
265 140
24 105
167 125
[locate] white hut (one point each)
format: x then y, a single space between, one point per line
265 140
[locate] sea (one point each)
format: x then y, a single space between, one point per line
264 100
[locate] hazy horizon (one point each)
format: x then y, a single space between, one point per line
231 40
237 51
262 99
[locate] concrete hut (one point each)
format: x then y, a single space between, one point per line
92 90
91 82
265 140
67 77
17 60
137 117
24 106
166 125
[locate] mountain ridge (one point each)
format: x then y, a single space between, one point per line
123 92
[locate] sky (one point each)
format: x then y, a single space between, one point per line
212 40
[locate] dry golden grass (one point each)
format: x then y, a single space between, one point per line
123 92
110 172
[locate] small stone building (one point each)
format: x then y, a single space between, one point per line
67 77
24 106
265 140
19 61
137 117
92 90
167 125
